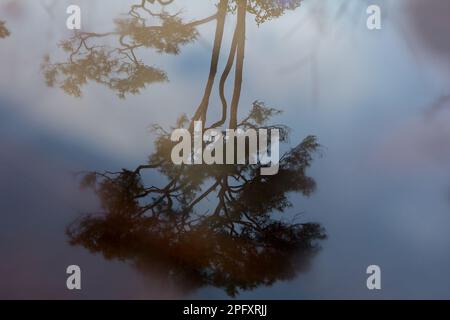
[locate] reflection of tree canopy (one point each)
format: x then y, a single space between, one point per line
4 32
213 225
117 65
237 244
265 10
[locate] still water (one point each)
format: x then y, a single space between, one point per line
85 176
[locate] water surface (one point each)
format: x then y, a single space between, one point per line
376 191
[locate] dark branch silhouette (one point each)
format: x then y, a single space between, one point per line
239 243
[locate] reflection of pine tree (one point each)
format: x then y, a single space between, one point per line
240 242
4 32
119 67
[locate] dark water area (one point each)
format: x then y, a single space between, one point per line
85 170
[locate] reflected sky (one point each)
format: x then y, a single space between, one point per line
376 100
